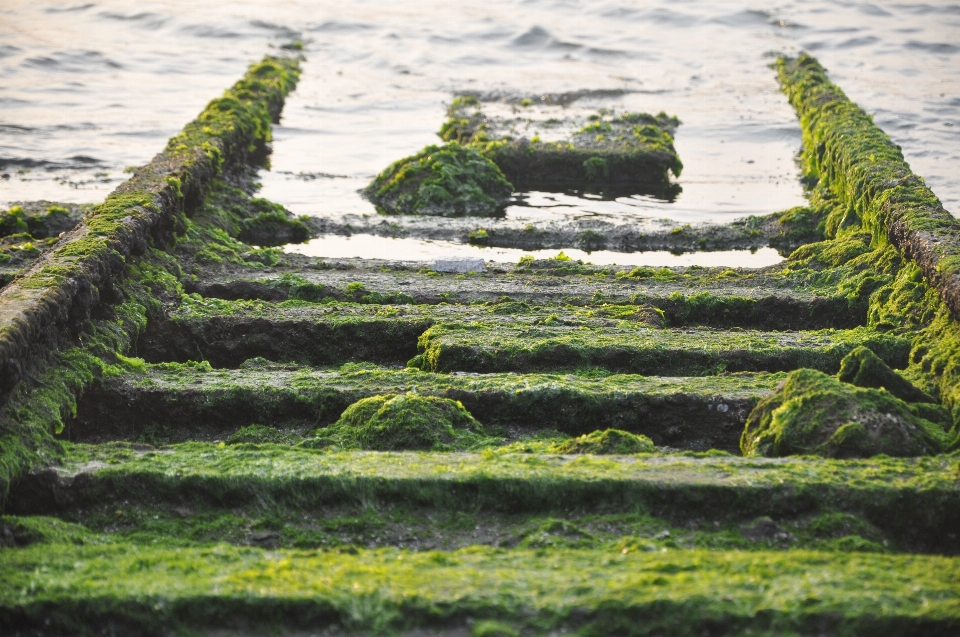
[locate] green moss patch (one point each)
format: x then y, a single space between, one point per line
401 422
627 153
24 531
873 187
863 368
815 414
608 441
41 219
629 592
641 350
174 402
449 180
915 500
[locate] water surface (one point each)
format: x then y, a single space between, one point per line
89 88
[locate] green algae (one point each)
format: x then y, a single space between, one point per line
861 367
334 331
871 185
630 593
489 628
444 180
40 220
258 434
911 499
371 526
401 422
627 154
187 398
23 531
238 125
608 441
815 414
857 161
558 344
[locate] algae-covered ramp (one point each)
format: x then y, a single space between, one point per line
199 434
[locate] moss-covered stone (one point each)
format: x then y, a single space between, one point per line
41 219
273 229
621 154
865 172
256 434
556 342
449 180
593 592
913 500
400 422
608 441
813 413
24 531
863 368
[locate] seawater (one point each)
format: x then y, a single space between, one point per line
89 88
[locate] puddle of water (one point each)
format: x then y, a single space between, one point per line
373 247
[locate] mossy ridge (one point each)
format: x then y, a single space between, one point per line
626 154
632 594
229 332
36 412
173 402
720 297
911 500
447 180
489 347
235 127
425 529
107 269
866 171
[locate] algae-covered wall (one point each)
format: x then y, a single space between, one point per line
108 268
866 172
889 234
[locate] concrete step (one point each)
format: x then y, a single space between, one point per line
485 338
228 590
193 402
721 297
643 350
915 501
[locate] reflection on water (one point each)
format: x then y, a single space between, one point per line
373 247
87 89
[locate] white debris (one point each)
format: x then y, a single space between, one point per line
459 264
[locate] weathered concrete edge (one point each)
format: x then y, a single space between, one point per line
35 320
41 309
867 170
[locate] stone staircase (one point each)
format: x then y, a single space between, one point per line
167 467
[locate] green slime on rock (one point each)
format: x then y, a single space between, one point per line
394 422
441 180
813 413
